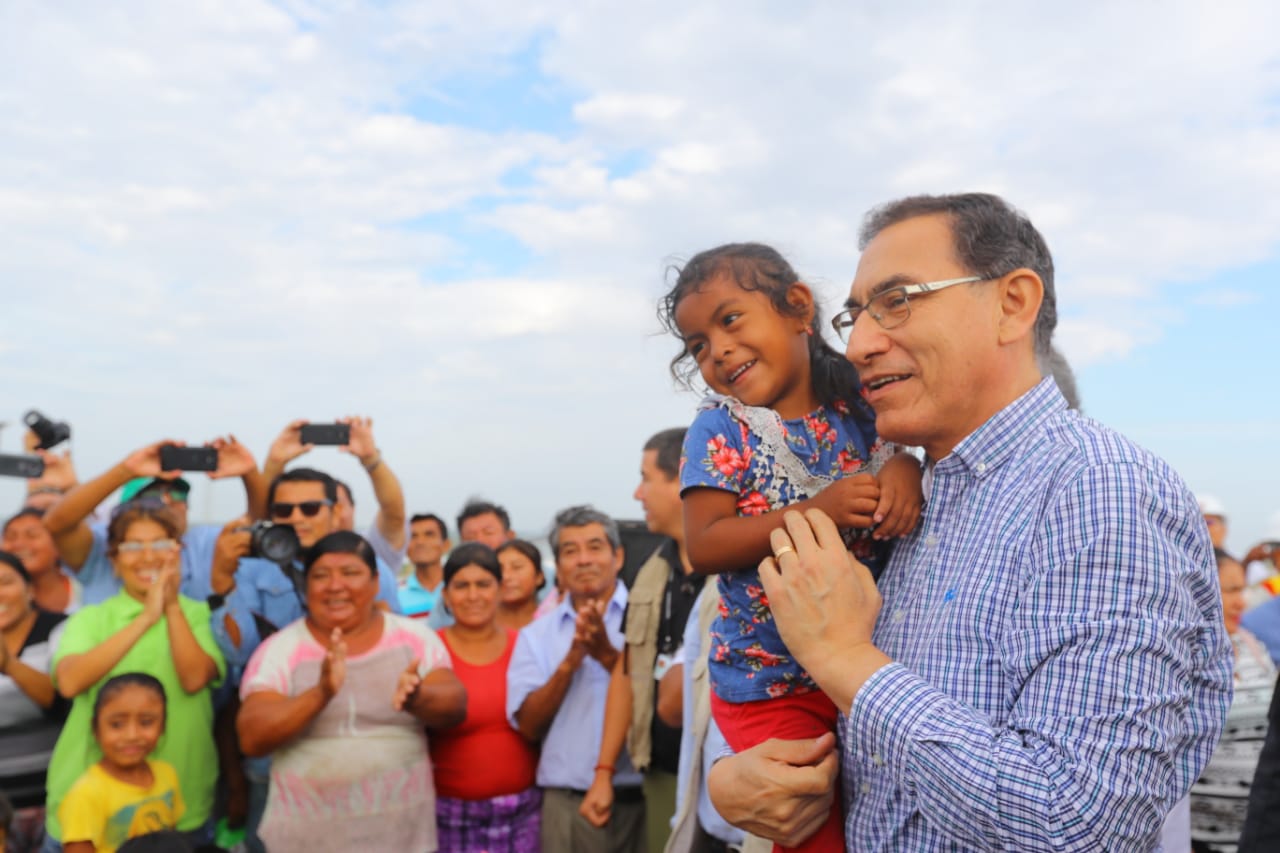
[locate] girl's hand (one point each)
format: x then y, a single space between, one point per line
406 686
850 502
4 656
333 670
901 497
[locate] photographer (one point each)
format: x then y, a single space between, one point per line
387 534
140 475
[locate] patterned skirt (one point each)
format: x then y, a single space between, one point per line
506 824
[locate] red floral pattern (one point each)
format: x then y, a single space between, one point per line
748 659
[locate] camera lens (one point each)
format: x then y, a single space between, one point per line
277 543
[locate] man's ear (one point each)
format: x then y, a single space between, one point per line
1021 293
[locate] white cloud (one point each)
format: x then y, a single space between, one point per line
258 209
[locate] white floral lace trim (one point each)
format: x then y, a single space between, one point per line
788 467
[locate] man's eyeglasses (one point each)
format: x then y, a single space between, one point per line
891 308
309 509
159 545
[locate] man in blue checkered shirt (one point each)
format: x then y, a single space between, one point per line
1044 665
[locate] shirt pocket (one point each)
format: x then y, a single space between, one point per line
639 617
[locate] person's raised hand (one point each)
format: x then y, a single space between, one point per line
406 686
59 472
233 542
595 636
779 789
170 581
234 459
333 669
145 461
288 444
153 604
362 446
849 501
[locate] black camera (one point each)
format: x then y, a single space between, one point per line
50 433
275 542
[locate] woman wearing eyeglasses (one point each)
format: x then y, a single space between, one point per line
146 627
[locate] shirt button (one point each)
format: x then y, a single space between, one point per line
980 467
877 760
931 541
866 787
898 616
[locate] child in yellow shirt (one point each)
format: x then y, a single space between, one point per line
125 794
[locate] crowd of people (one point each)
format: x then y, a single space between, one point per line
903 596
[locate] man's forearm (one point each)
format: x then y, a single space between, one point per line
390 497
255 494
540 707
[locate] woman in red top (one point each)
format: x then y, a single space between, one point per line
484 769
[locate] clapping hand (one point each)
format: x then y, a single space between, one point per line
407 686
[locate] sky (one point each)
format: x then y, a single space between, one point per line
457 218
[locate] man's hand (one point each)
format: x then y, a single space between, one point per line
825 604
233 543
597 803
1262 551
288 444
850 501
591 632
781 789
234 459
362 445
145 461
59 472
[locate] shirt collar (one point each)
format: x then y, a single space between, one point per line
993 443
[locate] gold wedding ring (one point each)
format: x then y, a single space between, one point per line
777 555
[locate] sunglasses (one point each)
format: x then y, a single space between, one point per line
309 509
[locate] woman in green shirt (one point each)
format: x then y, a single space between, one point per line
146 627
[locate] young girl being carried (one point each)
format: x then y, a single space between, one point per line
126 793
786 429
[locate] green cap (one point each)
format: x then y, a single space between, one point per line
138 485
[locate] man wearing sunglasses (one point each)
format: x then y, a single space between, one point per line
1044 663
389 532
251 597
83 546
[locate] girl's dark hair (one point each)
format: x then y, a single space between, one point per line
12 561
757 267
143 509
341 542
472 554
117 684
529 550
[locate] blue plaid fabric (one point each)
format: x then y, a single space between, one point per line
1062 671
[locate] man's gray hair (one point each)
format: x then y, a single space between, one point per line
991 238
581 516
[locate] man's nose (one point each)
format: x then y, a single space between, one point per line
866 339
